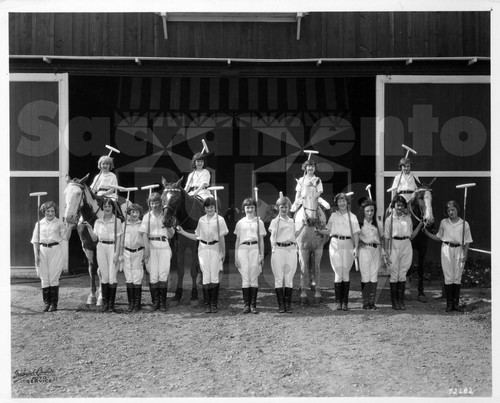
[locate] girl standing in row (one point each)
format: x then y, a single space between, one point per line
107 231
49 258
210 233
453 254
399 229
284 253
249 256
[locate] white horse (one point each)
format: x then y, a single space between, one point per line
309 242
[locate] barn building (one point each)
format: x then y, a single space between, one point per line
259 88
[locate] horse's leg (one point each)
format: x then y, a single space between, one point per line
194 275
421 257
303 257
94 296
318 253
180 251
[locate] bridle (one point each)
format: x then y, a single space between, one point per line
83 201
410 207
173 209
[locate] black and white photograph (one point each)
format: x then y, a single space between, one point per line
233 200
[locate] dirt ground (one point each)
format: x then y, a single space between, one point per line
315 351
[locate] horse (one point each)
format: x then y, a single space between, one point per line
82 202
181 209
420 208
310 242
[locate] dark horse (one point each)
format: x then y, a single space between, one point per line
181 209
420 208
82 203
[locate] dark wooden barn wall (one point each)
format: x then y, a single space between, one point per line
343 35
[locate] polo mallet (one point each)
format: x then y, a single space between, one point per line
150 188
465 186
128 190
38 195
369 191
215 189
278 224
205 148
392 218
481 251
350 227
256 190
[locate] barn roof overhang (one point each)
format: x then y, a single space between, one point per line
179 66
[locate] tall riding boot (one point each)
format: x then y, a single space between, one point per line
288 299
155 296
54 298
206 297
394 296
456 298
449 297
137 297
401 294
338 294
105 297
130 296
281 299
246 299
253 295
112 296
373 293
346 295
162 286
214 300
365 293
46 298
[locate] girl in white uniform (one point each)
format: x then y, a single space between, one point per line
250 232
49 259
133 257
199 179
101 185
107 231
284 253
401 254
343 228
309 167
210 233
453 253
157 252
405 184
370 251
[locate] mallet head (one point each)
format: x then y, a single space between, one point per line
205 147
111 149
408 150
465 185
150 187
349 194
215 188
38 194
369 191
309 152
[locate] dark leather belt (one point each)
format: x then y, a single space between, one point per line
284 245
373 245
208 243
453 245
50 245
134 250
108 242
249 243
102 190
405 192
400 238
341 237
158 238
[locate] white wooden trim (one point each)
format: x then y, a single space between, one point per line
396 79
443 174
34 174
35 77
379 142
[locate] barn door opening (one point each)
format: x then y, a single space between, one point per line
38 154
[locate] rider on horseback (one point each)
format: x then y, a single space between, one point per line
309 179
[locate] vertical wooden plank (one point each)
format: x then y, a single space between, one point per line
135 93
291 91
63 34
131 36
234 93
194 94
154 103
146 40
272 94
214 93
253 94
115 34
95 30
330 94
175 93
311 94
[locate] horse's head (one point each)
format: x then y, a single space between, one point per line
422 198
170 201
310 197
74 195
